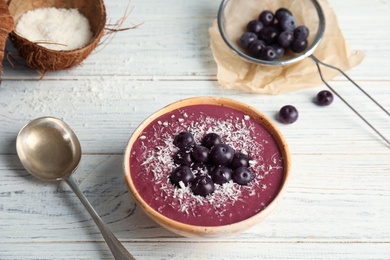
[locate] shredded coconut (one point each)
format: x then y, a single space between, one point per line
55 28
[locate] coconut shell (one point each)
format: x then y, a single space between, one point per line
41 58
6 26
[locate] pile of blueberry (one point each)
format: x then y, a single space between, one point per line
270 36
201 166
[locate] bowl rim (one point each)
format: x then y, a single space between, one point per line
307 53
189 230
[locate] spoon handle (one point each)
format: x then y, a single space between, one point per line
117 249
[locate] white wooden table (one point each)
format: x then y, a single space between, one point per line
338 202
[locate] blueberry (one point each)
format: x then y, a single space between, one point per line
279 50
288 23
256 47
324 98
268 53
247 38
221 154
200 153
184 140
285 38
282 12
269 34
200 168
288 114
277 26
266 17
221 174
239 159
254 26
211 139
183 157
181 174
299 45
301 32
242 176
202 185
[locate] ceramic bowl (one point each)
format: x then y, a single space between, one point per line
200 230
234 15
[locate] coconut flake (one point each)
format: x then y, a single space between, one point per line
55 28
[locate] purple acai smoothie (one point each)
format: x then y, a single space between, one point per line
151 163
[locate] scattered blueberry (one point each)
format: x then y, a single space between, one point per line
181 174
288 114
247 38
242 176
202 185
324 98
184 140
221 154
254 26
239 159
211 139
266 17
221 174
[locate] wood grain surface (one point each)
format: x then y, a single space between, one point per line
336 205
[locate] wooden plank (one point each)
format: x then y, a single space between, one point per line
200 250
104 113
329 199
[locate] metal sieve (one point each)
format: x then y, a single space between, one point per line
228 8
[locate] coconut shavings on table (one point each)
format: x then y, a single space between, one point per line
55 28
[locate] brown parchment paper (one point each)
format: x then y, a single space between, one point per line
236 73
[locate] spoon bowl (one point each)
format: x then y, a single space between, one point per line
49 149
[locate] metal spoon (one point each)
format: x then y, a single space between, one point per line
50 150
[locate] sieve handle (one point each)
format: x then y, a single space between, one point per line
318 63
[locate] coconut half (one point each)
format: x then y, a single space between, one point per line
41 58
6 26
